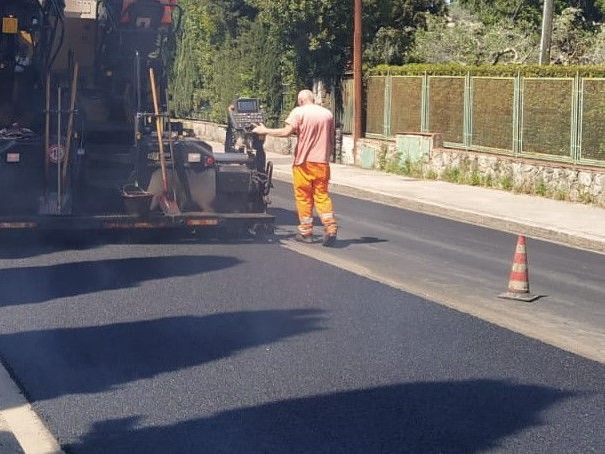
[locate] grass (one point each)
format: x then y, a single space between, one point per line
561 194
382 157
506 183
540 188
452 174
586 198
474 178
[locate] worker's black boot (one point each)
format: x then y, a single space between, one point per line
330 231
304 238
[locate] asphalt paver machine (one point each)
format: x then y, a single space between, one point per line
86 139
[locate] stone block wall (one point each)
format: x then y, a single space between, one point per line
215 132
532 176
549 179
206 130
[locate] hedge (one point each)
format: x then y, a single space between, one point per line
489 70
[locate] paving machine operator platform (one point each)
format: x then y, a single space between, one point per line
246 114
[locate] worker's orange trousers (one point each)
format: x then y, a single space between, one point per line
310 181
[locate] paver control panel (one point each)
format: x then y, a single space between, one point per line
246 114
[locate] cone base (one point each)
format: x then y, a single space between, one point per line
527 297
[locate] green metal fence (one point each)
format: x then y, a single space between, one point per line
591 134
405 104
447 108
560 119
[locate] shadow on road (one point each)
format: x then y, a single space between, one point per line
427 417
285 217
56 362
344 243
18 245
38 284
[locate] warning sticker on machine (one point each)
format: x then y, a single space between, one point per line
10 25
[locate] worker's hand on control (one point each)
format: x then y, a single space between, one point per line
260 129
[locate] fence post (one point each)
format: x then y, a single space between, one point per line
518 115
388 89
424 109
468 112
577 114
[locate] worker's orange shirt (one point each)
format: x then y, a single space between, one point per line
314 126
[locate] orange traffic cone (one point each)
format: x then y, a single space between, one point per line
518 285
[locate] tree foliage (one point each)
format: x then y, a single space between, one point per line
266 47
272 48
530 11
464 39
390 26
508 31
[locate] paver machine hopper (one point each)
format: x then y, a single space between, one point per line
86 137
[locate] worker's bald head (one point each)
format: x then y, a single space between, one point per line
306 97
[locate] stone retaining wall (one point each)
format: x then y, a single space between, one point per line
554 180
216 133
423 156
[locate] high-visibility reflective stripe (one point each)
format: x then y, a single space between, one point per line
518 286
194 222
17 225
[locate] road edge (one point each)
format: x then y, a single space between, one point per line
21 419
572 339
469 217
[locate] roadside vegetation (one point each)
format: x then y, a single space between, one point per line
465 172
271 48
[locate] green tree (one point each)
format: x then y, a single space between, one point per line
493 11
247 66
464 38
258 47
315 34
207 25
390 26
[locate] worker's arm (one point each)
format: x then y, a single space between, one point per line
286 131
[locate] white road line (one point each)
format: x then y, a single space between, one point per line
21 419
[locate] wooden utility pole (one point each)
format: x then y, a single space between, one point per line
546 32
357 73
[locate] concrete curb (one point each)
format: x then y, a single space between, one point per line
571 239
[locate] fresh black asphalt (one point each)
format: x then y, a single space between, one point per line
180 345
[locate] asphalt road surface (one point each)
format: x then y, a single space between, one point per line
180 345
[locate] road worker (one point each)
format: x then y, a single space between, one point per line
314 127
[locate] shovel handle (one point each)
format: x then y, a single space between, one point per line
70 122
158 127
46 132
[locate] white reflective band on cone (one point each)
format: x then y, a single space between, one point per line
13 157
